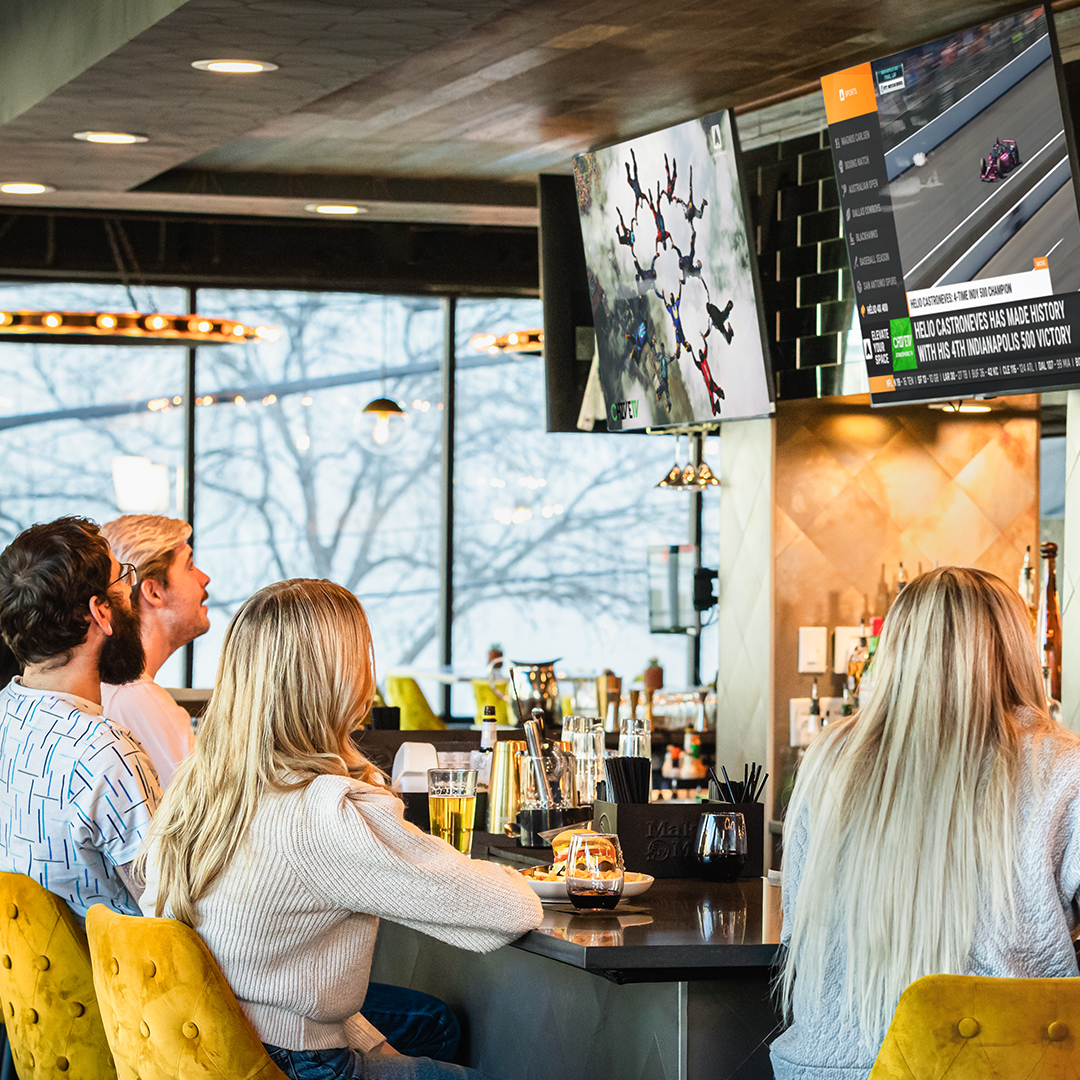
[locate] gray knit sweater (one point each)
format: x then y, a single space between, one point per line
292 920
1037 943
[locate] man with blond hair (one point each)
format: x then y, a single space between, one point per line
171 600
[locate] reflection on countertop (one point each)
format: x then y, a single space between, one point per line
679 925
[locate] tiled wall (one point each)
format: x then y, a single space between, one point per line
858 490
802 261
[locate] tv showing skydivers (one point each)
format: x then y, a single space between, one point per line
678 326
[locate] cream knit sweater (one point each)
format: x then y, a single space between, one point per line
293 918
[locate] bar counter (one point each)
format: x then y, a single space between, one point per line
672 984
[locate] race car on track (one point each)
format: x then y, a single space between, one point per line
1003 158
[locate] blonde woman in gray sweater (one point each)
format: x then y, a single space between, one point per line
279 843
936 831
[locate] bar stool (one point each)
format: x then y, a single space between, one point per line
966 1027
169 1014
47 987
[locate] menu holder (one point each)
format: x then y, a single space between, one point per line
658 838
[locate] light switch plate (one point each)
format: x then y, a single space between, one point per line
813 650
845 642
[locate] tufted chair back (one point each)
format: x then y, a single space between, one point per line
168 1011
416 714
964 1027
47 987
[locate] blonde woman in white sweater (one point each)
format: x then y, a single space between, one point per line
278 841
936 831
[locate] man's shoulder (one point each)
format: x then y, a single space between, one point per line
142 694
61 737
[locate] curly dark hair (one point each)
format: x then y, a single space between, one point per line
48 575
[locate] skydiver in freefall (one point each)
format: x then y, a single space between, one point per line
625 235
719 317
691 210
716 394
662 235
676 322
645 276
635 184
671 173
687 266
662 390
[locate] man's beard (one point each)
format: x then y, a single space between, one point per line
122 658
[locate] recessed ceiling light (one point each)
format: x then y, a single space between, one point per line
114 138
235 67
340 209
25 189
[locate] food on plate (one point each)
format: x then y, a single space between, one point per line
550 873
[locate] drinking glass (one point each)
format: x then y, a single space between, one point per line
452 806
594 870
721 846
635 737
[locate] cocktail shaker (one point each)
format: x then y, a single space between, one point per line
504 791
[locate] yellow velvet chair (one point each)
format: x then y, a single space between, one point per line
416 714
47 987
485 695
964 1027
169 1014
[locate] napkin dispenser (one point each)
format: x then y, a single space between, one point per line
411 764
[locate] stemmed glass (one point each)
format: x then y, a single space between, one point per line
721 846
594 870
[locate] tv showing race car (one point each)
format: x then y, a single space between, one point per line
966 276
672 275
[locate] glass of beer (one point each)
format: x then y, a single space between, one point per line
452 806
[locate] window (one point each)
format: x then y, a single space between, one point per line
551 530
286 484
87 429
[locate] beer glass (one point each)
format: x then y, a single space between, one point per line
452 806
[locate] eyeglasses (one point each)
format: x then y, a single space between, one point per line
127 576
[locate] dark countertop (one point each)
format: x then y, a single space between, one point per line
680 929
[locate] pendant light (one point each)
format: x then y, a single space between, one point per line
382 423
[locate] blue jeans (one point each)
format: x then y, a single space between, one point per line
347 1064
415 1024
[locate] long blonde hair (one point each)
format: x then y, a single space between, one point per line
295 679
911 803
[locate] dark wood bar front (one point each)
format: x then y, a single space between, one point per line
673 984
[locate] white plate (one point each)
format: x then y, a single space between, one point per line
633 885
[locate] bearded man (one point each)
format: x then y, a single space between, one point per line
78 789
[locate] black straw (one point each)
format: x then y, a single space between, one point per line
517 699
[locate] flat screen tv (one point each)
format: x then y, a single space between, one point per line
673 278
954 162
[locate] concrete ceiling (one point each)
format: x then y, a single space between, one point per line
425 110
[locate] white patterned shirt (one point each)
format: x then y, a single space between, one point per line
76 795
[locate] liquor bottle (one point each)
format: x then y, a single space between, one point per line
1026 587
857 660
846 708
481 759
1053 706
901 579
1051 623
866 683
815 709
